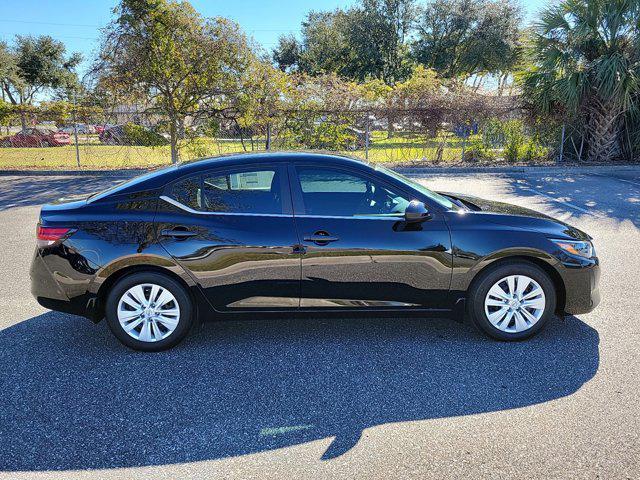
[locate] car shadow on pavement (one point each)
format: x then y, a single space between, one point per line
23 191
74 398
586 192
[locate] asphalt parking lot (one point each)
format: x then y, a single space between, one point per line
331 398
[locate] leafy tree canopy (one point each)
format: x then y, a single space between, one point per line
35 64
182 64
364 42
584 63
468 37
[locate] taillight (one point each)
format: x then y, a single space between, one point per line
50 235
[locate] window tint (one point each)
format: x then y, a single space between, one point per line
187 192
316 181
242 192
436 197
327 191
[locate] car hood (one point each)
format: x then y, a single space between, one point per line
517 216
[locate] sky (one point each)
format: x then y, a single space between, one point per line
77 23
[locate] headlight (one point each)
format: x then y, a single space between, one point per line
582 248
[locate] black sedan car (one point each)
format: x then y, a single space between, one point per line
300 232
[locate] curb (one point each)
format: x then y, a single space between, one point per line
80 173
520 169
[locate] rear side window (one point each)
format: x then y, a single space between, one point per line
257 191
251 191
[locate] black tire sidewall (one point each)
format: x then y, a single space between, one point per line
481 287
178 291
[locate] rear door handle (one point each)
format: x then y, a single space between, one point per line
320 238
177 233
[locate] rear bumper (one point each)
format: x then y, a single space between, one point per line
54 290
582 286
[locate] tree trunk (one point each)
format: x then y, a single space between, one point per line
173 133
603 130
23 120
390 127
268 142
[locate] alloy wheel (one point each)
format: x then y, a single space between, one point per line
515 303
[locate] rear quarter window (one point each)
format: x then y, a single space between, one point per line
187 192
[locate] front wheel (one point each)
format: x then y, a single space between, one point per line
512 301
149 311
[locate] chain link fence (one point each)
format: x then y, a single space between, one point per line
125 137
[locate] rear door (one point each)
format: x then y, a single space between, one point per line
359 251
233 229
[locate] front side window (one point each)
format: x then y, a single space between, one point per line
327 191
251 191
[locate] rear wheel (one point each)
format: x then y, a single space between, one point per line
149 311
512 301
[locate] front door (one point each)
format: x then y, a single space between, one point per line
359 252
232 229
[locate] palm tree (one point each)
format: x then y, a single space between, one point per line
585 64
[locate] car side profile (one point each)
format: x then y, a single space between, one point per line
301 233
37 137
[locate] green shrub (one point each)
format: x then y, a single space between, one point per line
477 150
532 151
323 134
493 133
514 139
139 135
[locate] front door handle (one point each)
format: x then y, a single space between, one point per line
320 238
177 233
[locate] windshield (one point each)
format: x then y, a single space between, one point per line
436 197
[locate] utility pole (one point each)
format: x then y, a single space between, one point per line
75 127
562 144
366 139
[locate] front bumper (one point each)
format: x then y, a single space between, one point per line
582 286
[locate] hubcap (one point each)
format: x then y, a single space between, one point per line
515 303
148 312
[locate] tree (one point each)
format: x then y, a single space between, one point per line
261 99
379 35
183 65
364 42
33 66
324 47
468 37
585 63
287 54
6 114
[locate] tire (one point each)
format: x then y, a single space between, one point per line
158 327
512 319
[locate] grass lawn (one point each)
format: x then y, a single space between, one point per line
93 155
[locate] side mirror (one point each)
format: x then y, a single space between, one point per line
416 212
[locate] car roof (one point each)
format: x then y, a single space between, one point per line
268 157
159 178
